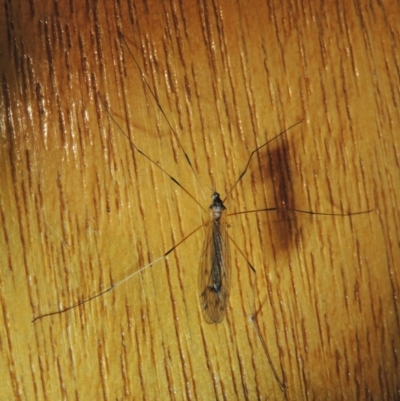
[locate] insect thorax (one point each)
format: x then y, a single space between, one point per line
217 206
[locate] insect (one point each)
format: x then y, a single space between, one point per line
214 271
214 265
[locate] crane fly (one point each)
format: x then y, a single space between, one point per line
214 265
214 271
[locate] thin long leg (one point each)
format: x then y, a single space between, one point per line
270 209
113 286
144 154
161 110
253 153
281 383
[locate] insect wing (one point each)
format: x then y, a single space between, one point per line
214 273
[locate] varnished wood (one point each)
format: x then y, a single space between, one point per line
81 209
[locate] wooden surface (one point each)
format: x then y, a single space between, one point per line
81 209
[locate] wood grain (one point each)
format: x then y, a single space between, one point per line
81 209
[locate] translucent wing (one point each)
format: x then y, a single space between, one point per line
214 273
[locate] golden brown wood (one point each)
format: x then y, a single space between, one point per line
79 208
